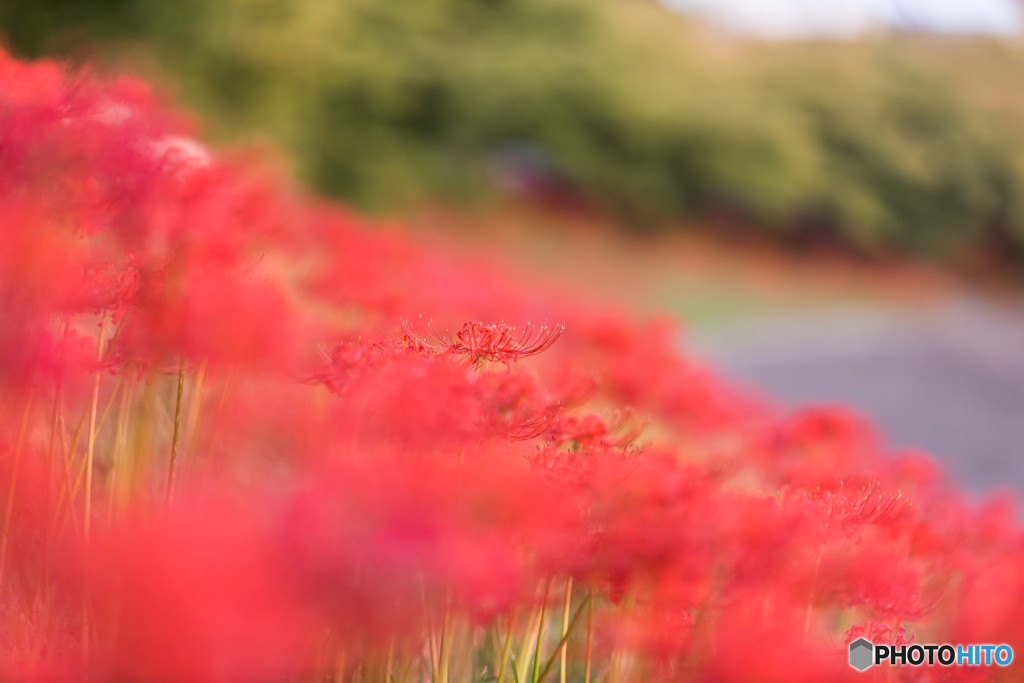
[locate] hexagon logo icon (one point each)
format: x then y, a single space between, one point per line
862 654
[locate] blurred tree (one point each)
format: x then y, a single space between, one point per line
894 142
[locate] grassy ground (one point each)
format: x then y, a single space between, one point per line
700 273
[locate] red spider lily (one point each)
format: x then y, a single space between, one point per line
579 466
866 508
400 526
348 360
880 634
517 405
592 429
497 342
843 515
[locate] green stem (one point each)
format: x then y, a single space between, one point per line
177 431
810 599
565 626
444 653
540 630
120 446
90 449
69 489
388 678
50 513
430 634
506 650
563 641
526 647
590 635
65 485
195 404
9 507
340 661
91 443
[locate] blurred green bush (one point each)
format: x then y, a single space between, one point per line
905 142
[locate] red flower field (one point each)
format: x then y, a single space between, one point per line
240 445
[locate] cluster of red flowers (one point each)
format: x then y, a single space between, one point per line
224 459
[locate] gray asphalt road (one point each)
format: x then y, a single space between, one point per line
948 379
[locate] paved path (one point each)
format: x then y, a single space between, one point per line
948 379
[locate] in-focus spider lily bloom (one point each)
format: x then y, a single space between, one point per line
498 342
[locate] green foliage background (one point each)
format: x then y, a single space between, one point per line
905 142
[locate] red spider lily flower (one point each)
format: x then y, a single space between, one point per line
348 360
346 534
579 466
852 575
592 429
532 427
370 536
204 595
496 342
820 447
843 514
880 634
747 647
517 406
584 430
